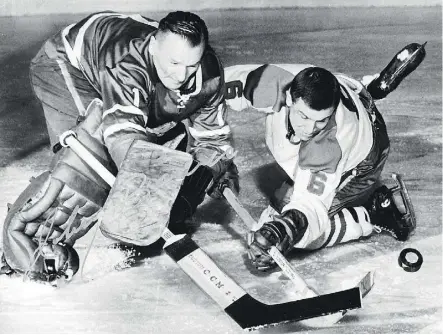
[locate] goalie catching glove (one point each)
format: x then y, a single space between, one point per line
283 232
56 209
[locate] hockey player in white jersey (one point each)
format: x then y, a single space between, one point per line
325 131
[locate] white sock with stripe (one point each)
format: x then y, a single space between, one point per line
349 224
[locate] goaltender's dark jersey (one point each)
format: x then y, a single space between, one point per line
111 50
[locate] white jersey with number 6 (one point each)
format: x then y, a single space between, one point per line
317 166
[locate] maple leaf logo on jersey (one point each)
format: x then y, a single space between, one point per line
182 99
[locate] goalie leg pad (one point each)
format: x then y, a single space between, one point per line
30 195
139 204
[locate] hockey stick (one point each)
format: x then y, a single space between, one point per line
239 305
303 289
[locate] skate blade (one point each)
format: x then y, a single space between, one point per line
408 209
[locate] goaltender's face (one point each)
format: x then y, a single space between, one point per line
308 122
175 59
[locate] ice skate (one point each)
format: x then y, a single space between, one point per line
389 215
403 63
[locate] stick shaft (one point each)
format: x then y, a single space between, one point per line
276 255
71 141
238 207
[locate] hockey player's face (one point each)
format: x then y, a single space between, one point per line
175 59
308 122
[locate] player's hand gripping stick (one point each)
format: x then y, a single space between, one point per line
303 289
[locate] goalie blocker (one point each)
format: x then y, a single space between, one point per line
157 186
139 204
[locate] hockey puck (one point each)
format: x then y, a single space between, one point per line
408 265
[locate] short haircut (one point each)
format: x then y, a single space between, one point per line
318 88
187 25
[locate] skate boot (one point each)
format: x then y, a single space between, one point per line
403 63
391 213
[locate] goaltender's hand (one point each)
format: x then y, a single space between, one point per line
225 174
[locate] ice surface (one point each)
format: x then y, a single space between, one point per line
156 296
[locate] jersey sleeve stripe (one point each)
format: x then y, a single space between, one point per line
226 130
70 85
68 48
332 232
343 221
125 109
115 128
220 114
81 34
141 19
74 53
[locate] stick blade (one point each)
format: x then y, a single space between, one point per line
365 285
252 314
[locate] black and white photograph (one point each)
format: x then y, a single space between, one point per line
221 167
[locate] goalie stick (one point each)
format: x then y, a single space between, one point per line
248 312
303 289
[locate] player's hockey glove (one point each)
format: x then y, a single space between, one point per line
225 174
59 205
283 232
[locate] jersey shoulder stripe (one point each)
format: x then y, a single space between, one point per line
266 86
94 37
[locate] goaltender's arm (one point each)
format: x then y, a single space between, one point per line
124 91
210 132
